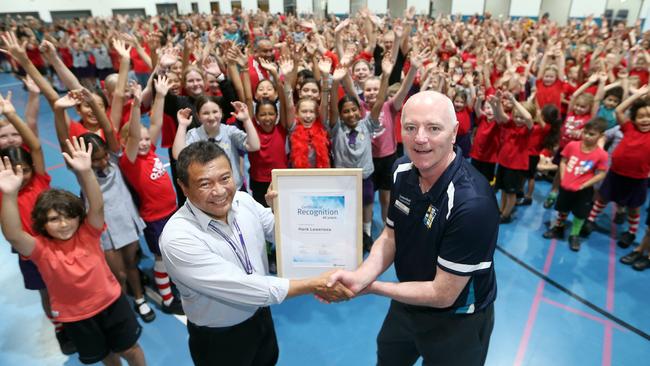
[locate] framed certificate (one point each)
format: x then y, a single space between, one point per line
318 225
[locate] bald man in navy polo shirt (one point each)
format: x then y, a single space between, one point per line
440 233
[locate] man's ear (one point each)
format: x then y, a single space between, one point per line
184 188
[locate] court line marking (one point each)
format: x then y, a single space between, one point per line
577 297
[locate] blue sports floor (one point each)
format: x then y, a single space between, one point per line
554 307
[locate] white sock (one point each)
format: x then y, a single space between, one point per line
143 307
367 228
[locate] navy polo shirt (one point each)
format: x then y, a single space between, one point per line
453 226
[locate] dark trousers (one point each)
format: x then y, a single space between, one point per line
409 332
251 342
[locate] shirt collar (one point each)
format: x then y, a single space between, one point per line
443 181
203 135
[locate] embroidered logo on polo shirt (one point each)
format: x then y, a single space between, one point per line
431 214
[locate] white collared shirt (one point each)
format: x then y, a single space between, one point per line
214 287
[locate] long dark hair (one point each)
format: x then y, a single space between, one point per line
17 156
551 115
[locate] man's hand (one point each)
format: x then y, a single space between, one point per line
350 279
329 293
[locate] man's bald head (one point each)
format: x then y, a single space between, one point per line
430 103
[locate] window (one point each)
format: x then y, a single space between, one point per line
22 14
167 9
195 8
130 12
235 4
263 5
70 14
214 7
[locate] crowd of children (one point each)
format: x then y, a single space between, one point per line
569 102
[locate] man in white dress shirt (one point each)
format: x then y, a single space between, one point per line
214 247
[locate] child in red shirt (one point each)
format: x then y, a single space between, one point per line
626 182
512 158
84 294
538 134
485 147
583 164
581 108
145 172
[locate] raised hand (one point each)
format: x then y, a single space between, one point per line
211 66
184 117
339 73
286 65
417 60
241 111
67 101
31 85
342 25
122 49
267 65
80 155
387 64
48 50
162 85
129 38
325 65
136 92
168 57
6 106
10 182
13 48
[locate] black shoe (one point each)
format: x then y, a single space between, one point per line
506 219
65 343
619 218
587 228
574 243
626 239
367 242
641 264
631 257
555 232
148 316
525 202
174 308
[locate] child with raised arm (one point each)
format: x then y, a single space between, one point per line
124 226
84 294
583 164
20 144
626 182
145 172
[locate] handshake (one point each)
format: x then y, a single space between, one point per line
337 286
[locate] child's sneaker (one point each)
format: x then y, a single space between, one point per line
574 243
626 239
555 232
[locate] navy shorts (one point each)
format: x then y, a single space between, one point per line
152 233
31 276
510 180
114 329
485 168
579 203
368 192
625 191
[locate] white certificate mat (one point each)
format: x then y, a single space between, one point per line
317 220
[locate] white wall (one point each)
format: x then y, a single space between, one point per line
525 8
304 7
276 6
498 7
558 10
338 6
421 6
467 7
584 8
633 7
378 6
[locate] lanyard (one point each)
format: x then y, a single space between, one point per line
245 261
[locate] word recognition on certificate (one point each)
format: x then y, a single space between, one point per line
318 220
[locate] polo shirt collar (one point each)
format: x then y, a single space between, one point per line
204 220
203 135
443 181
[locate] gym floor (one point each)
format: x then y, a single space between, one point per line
553 306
